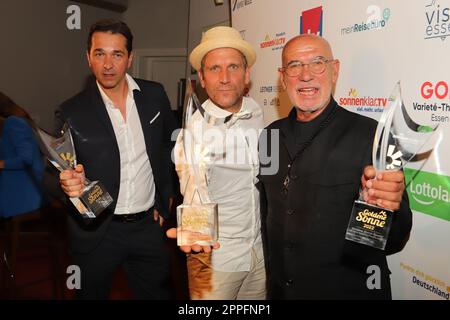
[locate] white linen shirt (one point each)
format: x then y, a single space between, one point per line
137 186
229 156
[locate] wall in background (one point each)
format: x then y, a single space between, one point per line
158 23
199 21
42 62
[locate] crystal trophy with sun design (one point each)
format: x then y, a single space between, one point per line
197 216
60 151
398 139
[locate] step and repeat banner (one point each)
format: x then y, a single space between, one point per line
378 43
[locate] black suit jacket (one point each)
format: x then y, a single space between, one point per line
304 230
96 148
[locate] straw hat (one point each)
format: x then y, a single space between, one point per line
221 37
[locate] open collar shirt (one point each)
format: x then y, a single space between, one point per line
225 145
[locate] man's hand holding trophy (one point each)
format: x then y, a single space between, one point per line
60 152
398 139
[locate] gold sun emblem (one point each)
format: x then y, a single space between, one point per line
70 159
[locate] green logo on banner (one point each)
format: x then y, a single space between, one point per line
428 193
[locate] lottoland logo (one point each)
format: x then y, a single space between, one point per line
429 193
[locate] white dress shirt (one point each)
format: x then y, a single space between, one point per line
228 154
137 187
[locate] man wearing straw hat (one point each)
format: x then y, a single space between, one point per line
228 129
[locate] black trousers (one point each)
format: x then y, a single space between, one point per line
139 247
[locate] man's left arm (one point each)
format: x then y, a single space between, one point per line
387 190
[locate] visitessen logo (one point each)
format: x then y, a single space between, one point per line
437 16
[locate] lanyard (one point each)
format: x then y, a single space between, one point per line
322 125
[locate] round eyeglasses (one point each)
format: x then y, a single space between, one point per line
295 68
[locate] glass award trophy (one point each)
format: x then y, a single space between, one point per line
61 154
197 216
398 139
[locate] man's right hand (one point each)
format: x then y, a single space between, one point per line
172 233
72 181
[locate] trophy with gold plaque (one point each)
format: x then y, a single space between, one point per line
398 139
197 216
60 152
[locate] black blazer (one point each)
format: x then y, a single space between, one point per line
304 230
96 148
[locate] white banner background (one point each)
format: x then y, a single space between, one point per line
403 40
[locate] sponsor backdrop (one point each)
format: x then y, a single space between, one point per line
378 43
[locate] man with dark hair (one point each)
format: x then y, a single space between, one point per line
113 27
122 130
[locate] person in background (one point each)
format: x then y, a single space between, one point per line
21 162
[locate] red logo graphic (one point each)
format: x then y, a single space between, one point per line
311 21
